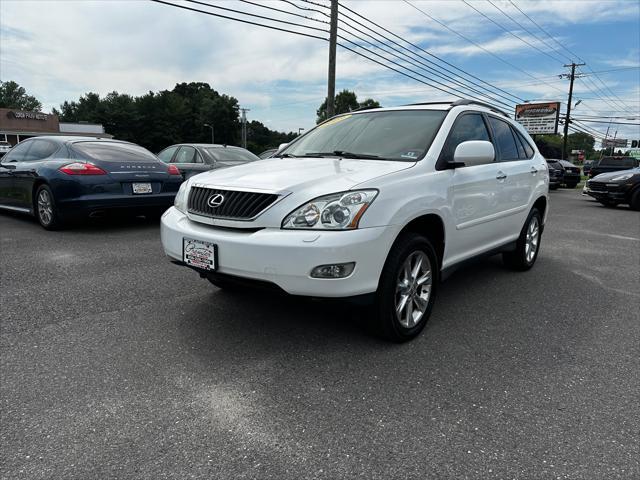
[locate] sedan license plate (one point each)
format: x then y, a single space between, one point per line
199 254
139 188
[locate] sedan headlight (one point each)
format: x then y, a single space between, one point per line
180 201
621 178
338 211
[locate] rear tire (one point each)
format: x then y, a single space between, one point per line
527 245
44 207
407 289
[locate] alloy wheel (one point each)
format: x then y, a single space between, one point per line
532 239
413 289
45 207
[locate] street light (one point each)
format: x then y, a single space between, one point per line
211 127
300 130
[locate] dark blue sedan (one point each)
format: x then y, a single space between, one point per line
59 179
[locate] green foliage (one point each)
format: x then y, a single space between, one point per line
345 101
13 95
260 138
156 120
550 146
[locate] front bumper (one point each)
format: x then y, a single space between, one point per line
602 191
286 257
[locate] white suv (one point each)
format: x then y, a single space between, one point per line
384 202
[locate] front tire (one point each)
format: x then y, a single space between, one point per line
527 245
609 203
45 209
407 288
572 185
635 200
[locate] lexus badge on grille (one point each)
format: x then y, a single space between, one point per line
216 200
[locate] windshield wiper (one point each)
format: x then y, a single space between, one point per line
344 154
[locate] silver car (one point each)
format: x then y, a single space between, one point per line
194 158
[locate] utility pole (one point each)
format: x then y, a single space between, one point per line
244 126
572 77
333 38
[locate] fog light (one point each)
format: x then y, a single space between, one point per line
337 270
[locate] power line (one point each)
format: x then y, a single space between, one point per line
283 11
262 17
421 65
511 33
424 51
489 52
184 7
527 30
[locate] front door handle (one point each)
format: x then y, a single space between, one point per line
534 170
501 175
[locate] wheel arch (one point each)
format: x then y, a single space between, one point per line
541 205
430 225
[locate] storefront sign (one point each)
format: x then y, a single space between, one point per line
539 118
27 115
614 142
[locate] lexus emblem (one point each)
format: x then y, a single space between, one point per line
216 200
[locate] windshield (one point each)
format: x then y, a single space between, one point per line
115 152
617 162
401 135
230 155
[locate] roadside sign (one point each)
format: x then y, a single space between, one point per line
635 152
539 118
614 142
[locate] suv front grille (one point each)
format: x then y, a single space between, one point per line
236 205
596 186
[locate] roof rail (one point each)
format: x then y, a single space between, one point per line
466 101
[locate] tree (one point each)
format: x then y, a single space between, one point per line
550 146
13 95
345 101
158 119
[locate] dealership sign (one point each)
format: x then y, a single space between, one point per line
539 118
27 115
614 142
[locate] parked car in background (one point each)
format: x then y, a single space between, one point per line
194 158
612 164
268 153
377 204
614 188
556 173
586 167
4 148
58 179
571 175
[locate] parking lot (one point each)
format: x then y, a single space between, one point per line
119 364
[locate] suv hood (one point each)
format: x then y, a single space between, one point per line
609 175
295 174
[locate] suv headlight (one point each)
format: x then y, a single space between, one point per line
338 211
621 178
180 201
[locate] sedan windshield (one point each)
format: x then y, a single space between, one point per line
401 135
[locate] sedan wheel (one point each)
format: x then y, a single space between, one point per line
45 208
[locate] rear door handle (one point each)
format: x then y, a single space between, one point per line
501 175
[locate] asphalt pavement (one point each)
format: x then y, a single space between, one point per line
115 363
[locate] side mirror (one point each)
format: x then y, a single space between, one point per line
281 147
474 152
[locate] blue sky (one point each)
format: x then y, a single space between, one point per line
59 50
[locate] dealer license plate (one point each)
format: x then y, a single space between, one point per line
197 253
139 188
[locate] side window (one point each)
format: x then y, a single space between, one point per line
40 150
528 149
167 154
17 153
199 158
467 127
504 140
185 155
